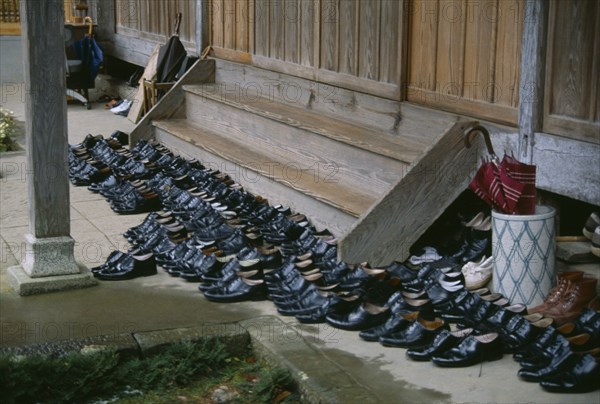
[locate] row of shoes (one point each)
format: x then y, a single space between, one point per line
241 248
591 230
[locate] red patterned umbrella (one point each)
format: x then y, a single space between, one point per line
508 186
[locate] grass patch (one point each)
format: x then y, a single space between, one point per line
182 372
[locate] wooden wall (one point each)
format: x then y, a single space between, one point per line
464 56
572 95
351 43
154 20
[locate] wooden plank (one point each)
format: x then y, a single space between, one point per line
368 40
276 30
172 104
261 27
229 24
307 31
389 41
329 18
400 148
135 113
290 26
348 37
242 10
10 28
423 44
451 49
339 161
388 229
230 54
479 45
218 23
495 113
508 52
348 200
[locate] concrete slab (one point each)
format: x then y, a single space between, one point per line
24 285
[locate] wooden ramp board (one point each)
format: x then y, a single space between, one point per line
405 148
135 113
346 199
387 231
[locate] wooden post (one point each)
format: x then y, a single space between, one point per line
49 246
533 63
202 22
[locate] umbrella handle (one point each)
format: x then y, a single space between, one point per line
91 28
486 136
177 23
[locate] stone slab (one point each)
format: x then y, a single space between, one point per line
49 256
24 285
235 338
319 379
576 252
124 344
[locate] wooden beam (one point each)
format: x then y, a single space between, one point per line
172 104
387 231
533 67
202 25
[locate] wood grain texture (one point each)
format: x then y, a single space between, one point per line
390 42
242 25
387 231
276 29
136 110
451 49
229 24
172 105
571 93
423 44
322 215
261 27
307 32
291 23
348 200
45 118
402 149
338 161
508 52
368 39
218 23
348 11
329 34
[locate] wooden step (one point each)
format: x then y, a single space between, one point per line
405 149
257 171
253 123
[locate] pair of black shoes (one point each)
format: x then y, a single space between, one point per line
122 266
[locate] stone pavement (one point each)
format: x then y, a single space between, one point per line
162 302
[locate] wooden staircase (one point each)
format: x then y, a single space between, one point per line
375 172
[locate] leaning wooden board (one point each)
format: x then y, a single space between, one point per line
135 113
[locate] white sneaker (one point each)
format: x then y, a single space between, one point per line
124 106
478 274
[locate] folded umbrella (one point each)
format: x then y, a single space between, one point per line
91 56
508 186
170 56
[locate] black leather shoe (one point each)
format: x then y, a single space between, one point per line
580 375
419 333
365 316
240 289
471 351
129 267
442 342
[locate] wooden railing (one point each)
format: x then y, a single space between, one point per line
10 17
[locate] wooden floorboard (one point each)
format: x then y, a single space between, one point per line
349 200
407 149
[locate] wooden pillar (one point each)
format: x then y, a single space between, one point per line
49 246
533 64
202 25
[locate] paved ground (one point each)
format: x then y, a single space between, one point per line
162 302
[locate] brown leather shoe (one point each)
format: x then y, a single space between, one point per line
576 297
555 294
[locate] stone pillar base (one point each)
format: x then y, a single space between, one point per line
25 285
49 256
